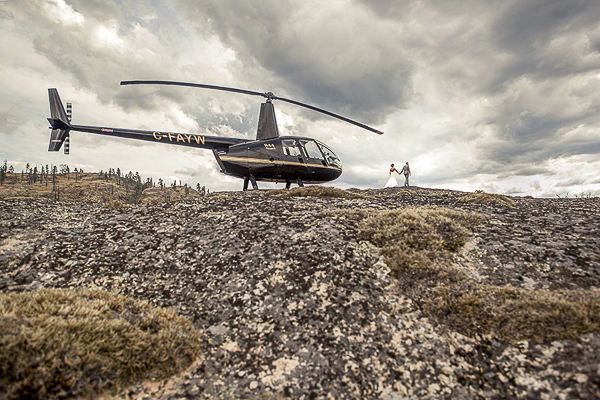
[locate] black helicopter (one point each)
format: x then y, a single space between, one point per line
268 158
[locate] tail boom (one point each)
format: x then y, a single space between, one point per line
61 128
181 139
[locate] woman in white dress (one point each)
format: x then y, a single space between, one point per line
392 181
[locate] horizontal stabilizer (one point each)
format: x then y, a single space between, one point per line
57 138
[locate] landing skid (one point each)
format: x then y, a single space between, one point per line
288 184
251 179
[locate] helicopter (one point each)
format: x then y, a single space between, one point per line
269 157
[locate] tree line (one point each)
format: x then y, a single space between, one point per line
131 181
31 174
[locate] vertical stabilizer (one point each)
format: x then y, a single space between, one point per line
59 121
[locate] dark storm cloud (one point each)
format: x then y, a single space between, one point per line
98 44
336 58
541 77
542 122
571 182
531 171
99 9
525 24
146 97
547 39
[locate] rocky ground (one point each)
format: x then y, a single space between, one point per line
290 301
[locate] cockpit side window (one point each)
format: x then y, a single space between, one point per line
290 148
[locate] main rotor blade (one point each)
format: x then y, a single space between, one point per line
269 96
329 113
200 85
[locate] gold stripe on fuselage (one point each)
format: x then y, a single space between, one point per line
278 162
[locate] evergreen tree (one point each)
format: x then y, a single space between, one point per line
3 170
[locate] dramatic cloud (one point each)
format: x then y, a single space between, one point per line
503 97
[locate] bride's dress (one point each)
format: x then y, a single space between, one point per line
391 182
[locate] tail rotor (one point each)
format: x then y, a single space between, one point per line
70 118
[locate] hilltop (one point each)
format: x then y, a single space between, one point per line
325 293
96 187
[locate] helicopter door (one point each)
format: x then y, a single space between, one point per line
247 164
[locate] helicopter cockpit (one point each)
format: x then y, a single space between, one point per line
311 149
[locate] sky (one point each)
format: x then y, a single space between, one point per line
476 95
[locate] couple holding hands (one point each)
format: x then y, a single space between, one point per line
392 181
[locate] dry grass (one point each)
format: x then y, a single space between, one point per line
315 191
69 187
418 244
64 343
489 199
92 187
158 195
113 205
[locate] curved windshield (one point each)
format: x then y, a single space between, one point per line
330 157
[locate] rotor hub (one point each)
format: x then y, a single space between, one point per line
269 96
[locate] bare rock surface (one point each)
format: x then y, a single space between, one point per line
292 302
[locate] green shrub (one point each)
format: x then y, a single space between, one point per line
64 343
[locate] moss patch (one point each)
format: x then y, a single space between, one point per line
418 245
418 242
513 314
64 343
